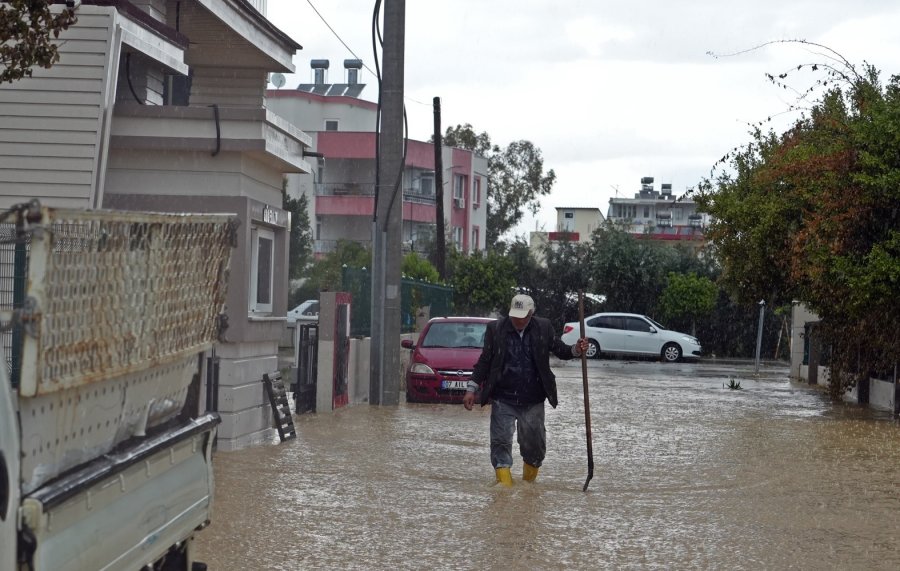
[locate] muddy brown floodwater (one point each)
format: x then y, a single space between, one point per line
688 475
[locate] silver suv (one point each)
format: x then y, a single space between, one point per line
632 334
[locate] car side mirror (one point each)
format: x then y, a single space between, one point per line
407 344
653 329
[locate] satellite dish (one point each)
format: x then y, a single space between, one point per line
277 79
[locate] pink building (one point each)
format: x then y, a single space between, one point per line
341 187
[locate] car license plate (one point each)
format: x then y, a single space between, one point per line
454 385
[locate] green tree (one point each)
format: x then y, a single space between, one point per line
418 268
27 31
631 273
326 273
300 255
553 284
465 137
516 177
688 296
483 284
811 214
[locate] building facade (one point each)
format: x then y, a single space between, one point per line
159 105
659 215
341 188
573 224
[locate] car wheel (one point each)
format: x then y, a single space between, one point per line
593 350
671 353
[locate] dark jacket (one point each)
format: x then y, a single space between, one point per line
543 341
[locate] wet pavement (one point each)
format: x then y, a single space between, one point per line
688 475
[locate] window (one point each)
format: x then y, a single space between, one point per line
261 270
476 192
635 324
610 322
458 238
646 211
331 124
475 236
426 184
459 187
568 224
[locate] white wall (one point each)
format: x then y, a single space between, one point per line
51 128
310 115
881 393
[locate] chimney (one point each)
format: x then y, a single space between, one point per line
352 66
319 66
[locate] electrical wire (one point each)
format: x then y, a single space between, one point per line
321 17
399 181
378 41
128 79
375 36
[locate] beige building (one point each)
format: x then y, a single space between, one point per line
572 223
160 105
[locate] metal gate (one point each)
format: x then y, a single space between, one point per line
307 370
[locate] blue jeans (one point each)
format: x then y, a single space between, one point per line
528 422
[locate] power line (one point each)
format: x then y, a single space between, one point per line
352 52
339 37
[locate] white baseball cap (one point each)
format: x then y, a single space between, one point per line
521 305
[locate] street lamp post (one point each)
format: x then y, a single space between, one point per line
759 330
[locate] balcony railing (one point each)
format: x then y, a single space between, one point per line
416 195
345 189
368 189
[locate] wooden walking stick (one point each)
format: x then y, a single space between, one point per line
587 399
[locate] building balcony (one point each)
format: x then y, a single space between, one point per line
564 236
417 196
345 189
368 189
256 132
358 199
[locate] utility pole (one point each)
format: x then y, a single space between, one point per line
440 255
384 383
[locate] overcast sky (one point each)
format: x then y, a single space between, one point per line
609 91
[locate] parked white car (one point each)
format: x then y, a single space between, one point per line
632 334
305 312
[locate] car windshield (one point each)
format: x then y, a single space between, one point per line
455 335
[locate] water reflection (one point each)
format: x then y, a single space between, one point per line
688 475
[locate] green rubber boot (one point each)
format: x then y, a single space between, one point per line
504 477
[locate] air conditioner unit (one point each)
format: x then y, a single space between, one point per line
459 202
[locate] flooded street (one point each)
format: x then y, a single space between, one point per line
688 474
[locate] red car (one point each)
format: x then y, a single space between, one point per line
443 359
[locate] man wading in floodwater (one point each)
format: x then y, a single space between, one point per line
514 375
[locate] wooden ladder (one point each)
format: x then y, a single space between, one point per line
281 411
